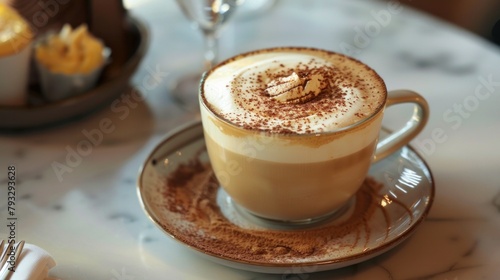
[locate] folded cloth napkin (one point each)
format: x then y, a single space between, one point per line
33 264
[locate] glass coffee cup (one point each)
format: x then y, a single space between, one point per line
291 132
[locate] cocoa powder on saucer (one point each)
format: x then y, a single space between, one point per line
195 218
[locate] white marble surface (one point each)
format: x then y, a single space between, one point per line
89 217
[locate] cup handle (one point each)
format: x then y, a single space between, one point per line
412 128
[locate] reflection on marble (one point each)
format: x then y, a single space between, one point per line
89 217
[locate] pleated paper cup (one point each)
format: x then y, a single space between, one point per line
56 86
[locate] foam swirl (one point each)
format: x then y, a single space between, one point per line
295 89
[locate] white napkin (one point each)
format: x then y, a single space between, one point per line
33 264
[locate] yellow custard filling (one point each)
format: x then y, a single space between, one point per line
15 32
71 51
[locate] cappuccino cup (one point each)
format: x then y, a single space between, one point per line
291 132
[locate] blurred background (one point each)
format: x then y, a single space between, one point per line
477 16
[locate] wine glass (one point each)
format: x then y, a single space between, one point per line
208 16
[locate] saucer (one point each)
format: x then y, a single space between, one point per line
179 193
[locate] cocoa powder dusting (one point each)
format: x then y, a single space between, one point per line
330 99
190 194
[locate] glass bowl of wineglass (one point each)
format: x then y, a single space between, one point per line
208 16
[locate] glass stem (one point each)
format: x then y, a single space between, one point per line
211 48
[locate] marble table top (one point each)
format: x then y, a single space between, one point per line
88 216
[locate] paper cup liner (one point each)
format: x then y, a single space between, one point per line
14 76
57 86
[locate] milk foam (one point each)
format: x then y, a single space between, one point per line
290 149
235 92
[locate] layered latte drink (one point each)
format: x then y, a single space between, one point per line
291 132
